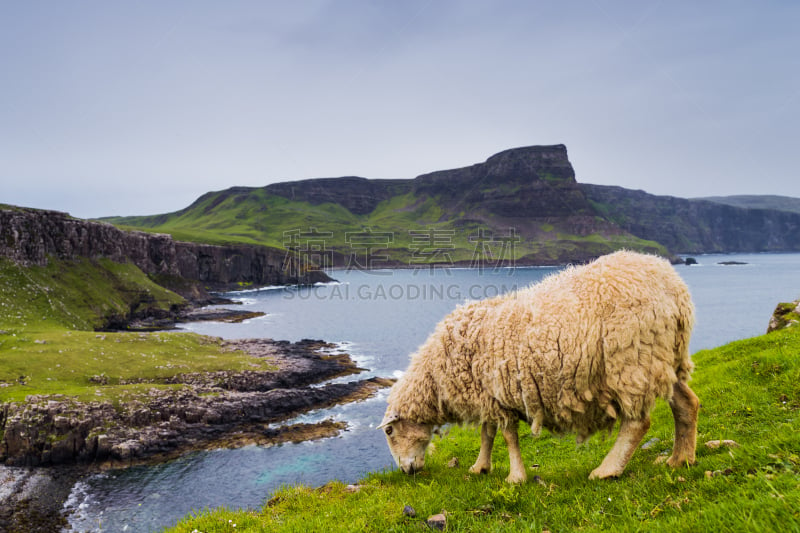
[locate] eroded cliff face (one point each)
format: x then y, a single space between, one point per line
30 237
529 182
696 226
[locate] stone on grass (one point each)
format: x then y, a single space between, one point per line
727 443
437 521
652 442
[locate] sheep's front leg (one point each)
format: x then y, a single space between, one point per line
517 472
630 435
483 465
684 406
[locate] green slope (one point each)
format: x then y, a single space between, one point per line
407 228
48 342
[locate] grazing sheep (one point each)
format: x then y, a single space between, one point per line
573 353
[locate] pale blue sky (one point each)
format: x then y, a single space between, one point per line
139 107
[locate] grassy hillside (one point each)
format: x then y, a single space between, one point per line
80 295
407 228
750 393
48 342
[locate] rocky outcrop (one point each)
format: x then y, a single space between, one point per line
531 182
31 237
52 430
696 226
785 315
358 195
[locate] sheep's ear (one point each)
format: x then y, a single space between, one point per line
389 418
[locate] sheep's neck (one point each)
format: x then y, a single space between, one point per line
419 397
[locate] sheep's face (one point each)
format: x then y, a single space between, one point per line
407 441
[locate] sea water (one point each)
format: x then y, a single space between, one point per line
380 318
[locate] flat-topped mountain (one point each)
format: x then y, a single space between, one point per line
521 205
531 174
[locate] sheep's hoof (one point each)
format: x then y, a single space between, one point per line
480 469
677 462
514 478
601 473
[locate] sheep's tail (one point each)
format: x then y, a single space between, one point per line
683 333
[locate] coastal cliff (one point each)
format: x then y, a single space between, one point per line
32 237
696 226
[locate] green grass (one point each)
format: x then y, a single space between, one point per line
48 344
750 393
81 294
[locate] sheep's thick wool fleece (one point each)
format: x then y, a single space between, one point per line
571 353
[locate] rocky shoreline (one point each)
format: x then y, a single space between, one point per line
50 441
194 311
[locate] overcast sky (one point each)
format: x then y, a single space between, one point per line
133 108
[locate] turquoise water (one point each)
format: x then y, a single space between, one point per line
380 318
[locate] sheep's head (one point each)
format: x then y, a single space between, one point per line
407 441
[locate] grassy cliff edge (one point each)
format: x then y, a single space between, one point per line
49 344
750 394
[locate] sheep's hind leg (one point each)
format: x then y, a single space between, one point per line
483 465
630 435
517 472
684 406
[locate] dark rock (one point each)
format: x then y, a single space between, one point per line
409 511
690 261
154 322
